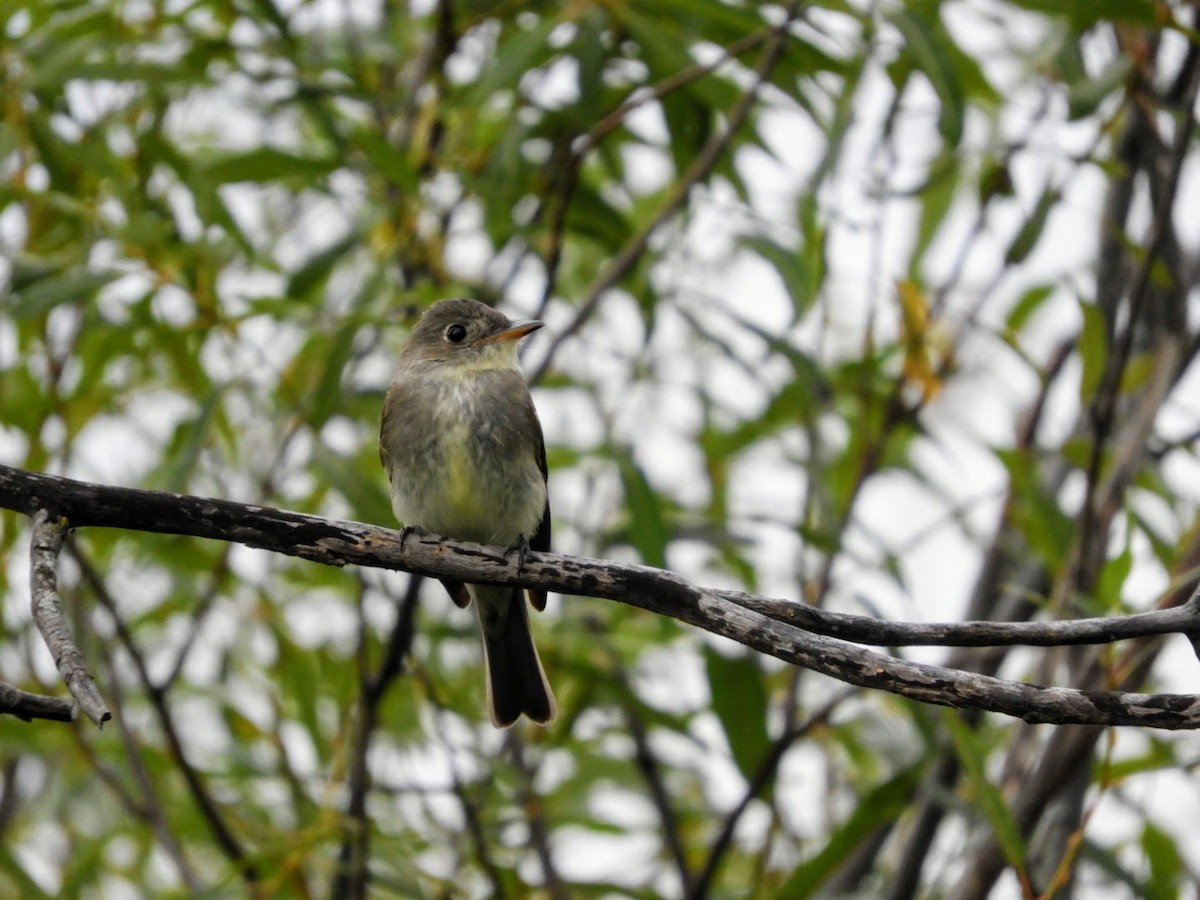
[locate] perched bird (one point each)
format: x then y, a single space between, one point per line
463 449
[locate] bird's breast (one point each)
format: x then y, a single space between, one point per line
471 473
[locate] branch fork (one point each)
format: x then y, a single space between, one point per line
824 642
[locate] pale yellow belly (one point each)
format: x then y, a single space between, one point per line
464 492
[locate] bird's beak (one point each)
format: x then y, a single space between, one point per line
513 332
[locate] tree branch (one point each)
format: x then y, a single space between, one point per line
27 706
47 543
1183 619
669 827
334 542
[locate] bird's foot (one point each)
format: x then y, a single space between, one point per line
409 530
521 548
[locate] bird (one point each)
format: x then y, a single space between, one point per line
465 456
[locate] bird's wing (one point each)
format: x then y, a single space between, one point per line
541 539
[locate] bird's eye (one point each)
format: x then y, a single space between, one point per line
455 334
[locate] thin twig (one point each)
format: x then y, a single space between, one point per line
1103 409
210 811
595 135
143 800
477 831
352 879
27 706
1069 632
763 776
708 157
10 795
47 543
647 762
539 833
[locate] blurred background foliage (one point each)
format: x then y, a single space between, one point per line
881 305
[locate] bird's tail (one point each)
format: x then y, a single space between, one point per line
516 681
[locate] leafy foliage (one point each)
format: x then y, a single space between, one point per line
821 324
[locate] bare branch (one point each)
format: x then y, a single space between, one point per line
763 777
334 542
48 535
595 136
866 630
27 706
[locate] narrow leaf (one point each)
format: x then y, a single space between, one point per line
740 702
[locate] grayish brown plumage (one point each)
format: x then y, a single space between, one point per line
463 449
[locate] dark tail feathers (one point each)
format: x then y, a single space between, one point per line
516 681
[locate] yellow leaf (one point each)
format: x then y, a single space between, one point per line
919 341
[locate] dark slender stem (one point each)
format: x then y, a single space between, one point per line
648 765
157 695
1104 406
539 834
609 123
708 157
143 799
763 777
353 875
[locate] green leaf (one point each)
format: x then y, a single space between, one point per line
790 265
936 197
739 700
387 160
1085 96
189 440
15 880
44 292
1168 871
1112 580
266 164
689 126
318 267
995 180
360 481
647 527
925 45
1027 306
972 749
1093 350
721 23
1035 512
519 52
313 378
1157 756
1031 230
592 216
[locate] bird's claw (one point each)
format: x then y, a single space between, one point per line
521 548
408 530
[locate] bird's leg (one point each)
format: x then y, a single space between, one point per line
537 596
409 530
521 548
